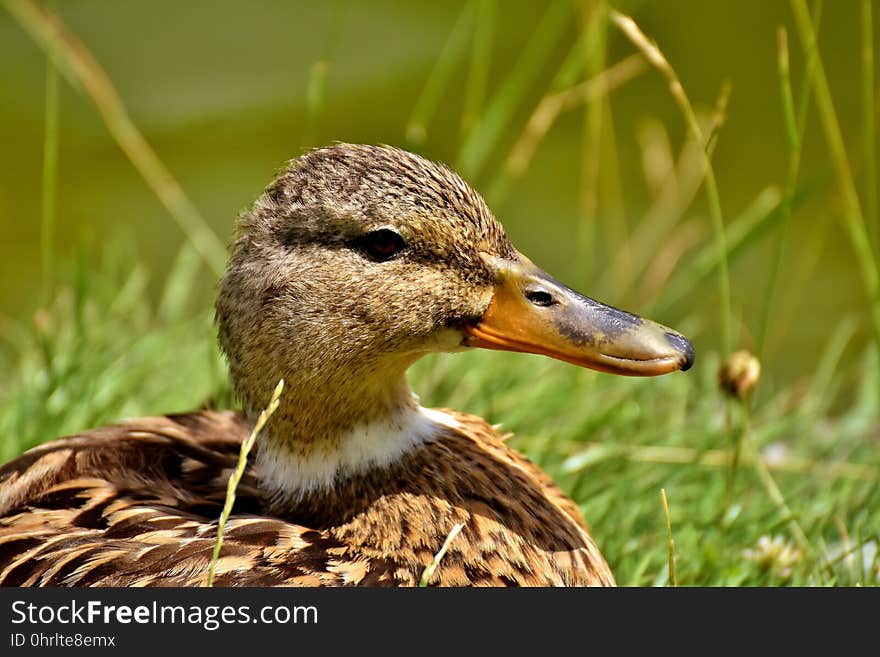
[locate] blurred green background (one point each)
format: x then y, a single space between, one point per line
221 90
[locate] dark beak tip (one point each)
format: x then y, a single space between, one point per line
684 347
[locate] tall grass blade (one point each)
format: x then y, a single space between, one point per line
236 475
632 31
794 137
500 110
563 99
775 493
869 131
595 32
316 88
178 285
820 395
670 542
316 85
478 71
438 79
854 219
754 221
678 190
50 177
783 66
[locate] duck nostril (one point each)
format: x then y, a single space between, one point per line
540 298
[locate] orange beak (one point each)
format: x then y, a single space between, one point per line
534 313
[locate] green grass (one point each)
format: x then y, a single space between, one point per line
614 443
802 506
102 351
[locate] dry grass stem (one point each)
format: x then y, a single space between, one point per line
236 476
720 458
632 31
670 541
429 570
551 106
50 177
774 492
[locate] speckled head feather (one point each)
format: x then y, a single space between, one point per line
301 300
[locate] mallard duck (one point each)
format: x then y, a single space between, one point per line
354 263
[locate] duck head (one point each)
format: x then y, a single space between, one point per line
357 261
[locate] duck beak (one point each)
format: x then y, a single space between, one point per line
534 313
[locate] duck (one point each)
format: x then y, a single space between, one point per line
355 262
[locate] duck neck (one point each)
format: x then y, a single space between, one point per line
324 432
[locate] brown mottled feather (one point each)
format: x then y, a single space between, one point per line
136 505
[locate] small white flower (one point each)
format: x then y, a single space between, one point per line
776 454
774 554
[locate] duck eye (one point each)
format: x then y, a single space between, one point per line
381 244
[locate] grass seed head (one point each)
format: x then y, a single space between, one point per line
739 374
